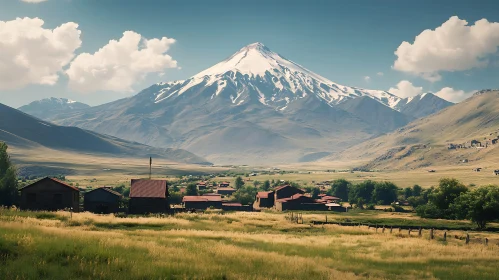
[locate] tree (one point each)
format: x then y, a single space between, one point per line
239 182
256 183
384 193
362 190
175 198
8 178
191 189
448 190
480 205
315 193
417 190
340 189
407 192
266 185
246 195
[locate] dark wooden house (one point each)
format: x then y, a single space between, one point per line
299 202
148 196
202 202
50 194
102 201
264 200
225 190
286 191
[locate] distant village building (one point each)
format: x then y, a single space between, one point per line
299 202
102 201
202 186
148 196
225 190
50 194
224 185
202 202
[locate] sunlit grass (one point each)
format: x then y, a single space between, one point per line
239 245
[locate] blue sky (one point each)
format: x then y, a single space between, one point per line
344 41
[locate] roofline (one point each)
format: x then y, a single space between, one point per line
53 179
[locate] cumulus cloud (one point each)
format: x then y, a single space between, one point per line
453 95
453 46
31 54
405 89
120 64
381 74
33 1
367 78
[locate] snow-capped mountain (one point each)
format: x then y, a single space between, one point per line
256 73
254 107
48 106
421 105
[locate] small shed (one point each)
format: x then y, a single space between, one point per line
148 196
202 202
50 194
224 185
102 201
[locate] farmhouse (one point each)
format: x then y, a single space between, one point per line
202 202
299 202
50 194
225 191
264 200
286 191
148 196
201 186
102 200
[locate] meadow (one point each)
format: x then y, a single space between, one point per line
238 245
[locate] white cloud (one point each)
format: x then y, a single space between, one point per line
453 46
31 54
367 78
406 89
120 64
33 1
381 74
453 95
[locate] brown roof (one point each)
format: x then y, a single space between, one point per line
297 196
149 188
263 194
211 194
225 189
208 198
55 180
232 204
107 189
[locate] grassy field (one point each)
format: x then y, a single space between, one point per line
41 245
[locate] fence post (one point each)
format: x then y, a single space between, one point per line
391 229
486 241
419 232
410 232
383 230
400 229
445 236
467 238
431 234
326 219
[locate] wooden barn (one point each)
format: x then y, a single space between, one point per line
225 190
286 191
50 194
299 202
148 196
102 201
264 200
202 202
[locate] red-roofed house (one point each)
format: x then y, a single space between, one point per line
201 186
286 191
102 200
148 196
264 200
202 202
50 194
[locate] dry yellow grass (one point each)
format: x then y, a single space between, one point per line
247 246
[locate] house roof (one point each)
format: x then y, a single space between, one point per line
148 188
52 179
232 204
107 189
209 198
293 197
202 184
263 194
211 194
225 183
225 189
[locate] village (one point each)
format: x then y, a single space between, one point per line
148 196
492 139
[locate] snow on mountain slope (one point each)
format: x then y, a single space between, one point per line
421 105
274 80
45 107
